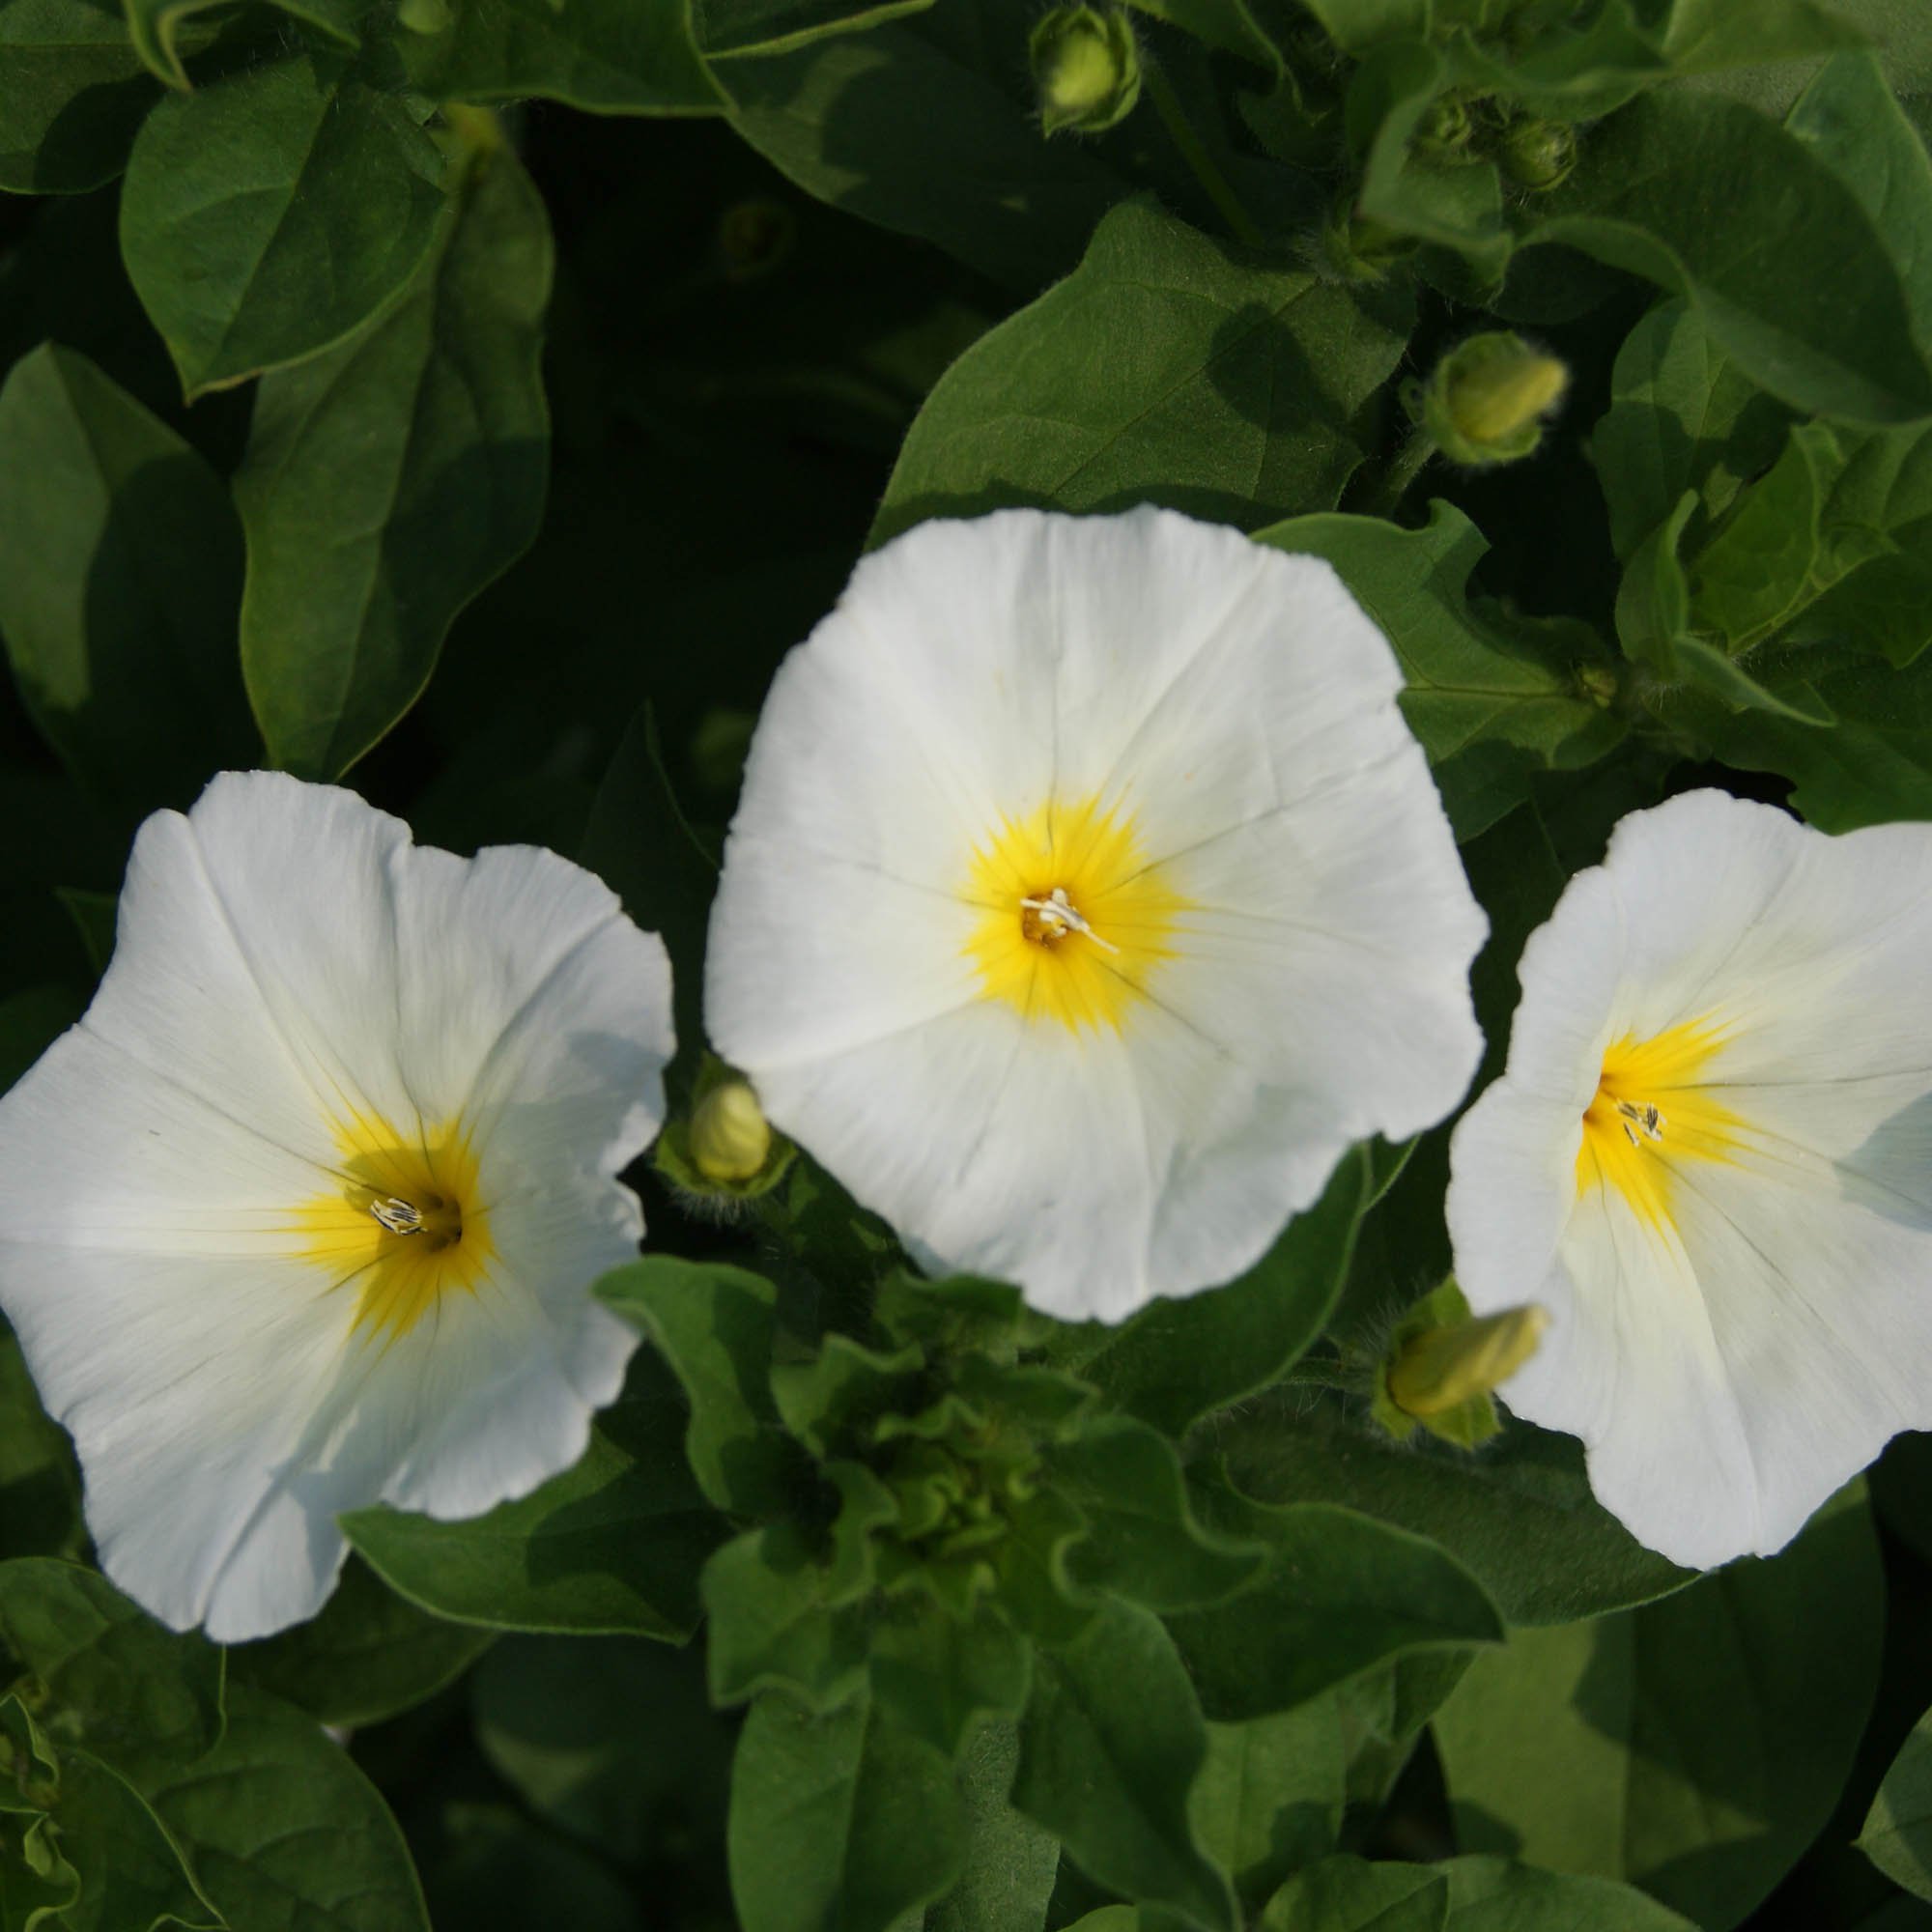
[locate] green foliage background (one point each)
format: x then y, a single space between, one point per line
476 398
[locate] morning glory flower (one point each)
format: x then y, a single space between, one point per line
1087 897
1710 1157
303 1213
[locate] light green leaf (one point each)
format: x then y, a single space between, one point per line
714 1324
837 1821
1350 1895
1692 1747
313 1844
1357 25
136 1696
1109 1749
1520 1517
155 28
1490 1894
827 1401
387 482
1177 1361
1009 1863
1164 368
72 91
1489 706
605 56
120 574
1341 1595
1897 1835
274 211
368 1655
1269 1797
611 1547
940 1677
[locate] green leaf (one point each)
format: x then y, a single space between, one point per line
1357 25
733 29
501 1872
1897 1835
1109 1749
1166 367
1227 24
1692 1747
274 211
313 1844
611 1740
370 1654
1490 706
1143 1539
940 1677
1269 1797
40 1480
95 917
387 482
1177 1361
155 27
1349 1894
839 1821
1489 1894
829 1400
611 1547
791 1608
714 1325
927 127
35 1879
1009 1863
120 575
130 1872
1341 1595
605 56
135 1695
1520 1516
72 91
1680 186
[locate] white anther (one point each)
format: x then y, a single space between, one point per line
400 1217
1058 915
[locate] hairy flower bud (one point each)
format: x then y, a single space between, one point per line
1538 154
731 1138
1086 67
1439 1366
1486 402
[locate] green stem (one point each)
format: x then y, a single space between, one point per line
1213 182
1406 466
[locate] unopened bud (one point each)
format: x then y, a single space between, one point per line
731 1138
1086 67
1440 1369
1538 154
1445 130
1487 400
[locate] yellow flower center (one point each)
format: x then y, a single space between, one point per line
405 1226
1074 917
1651 1110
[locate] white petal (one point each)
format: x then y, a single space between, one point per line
284 955
1730 1368
1237 706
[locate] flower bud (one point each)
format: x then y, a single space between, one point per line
1486 399
1445 132
1440 1369
731 1138
1086 67
1538 155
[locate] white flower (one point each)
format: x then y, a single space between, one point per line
304 1212
1710 1158
1087 897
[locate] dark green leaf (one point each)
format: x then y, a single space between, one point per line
1520 1516
39 1481
611 1547
1164 368
274 211
714 1325
120 574
72 91
941 1677
138 1696
132 1873
1898 1836
94 916
29 1021
730 29
368 1655
1269 1797
1490 706
389 481
1109 1749
313 1845
1692 1747
501 1873
839 1823
1010 1865
1349 1894
607 56
829 1400
1177 1361
1341 1595
1143 1539
1228 25
155 28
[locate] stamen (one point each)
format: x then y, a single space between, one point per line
1641 1115
400 1217
1058 916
